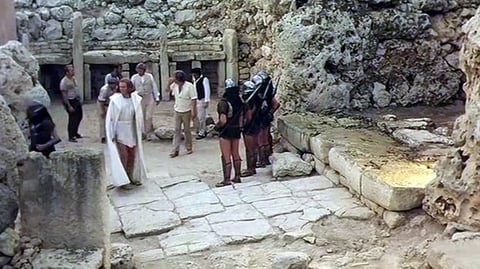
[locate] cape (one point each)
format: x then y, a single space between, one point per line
118 175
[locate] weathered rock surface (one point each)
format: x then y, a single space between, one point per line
454 255
289 164
8 207
290 260
121 256
454 196
68 259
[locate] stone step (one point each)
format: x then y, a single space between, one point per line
371 164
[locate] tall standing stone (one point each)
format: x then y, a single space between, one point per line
164 67
77 51
8 24
230 46
64 200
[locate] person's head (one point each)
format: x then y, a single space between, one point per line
180 77
113 83
36 112
196 72
125 86
69 71
141 68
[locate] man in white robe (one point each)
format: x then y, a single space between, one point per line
123 133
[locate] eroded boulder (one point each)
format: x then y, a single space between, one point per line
289 164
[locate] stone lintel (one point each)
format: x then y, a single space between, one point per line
209 55
62 59
182 56
115 57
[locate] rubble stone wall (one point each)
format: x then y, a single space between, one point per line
326 55
454 196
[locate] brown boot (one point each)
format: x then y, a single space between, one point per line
251 162
236 167
226 168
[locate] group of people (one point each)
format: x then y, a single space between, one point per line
248 111
125 107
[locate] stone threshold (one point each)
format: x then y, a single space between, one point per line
370 164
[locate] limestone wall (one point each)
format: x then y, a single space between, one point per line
7 21
454 196
329 55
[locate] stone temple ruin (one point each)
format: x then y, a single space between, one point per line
347 73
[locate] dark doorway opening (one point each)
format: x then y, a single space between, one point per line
209 70
97 77
50 77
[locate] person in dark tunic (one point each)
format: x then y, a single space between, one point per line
43 136
230 114
251 127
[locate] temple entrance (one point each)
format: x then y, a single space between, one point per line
97 77
50 77
209 70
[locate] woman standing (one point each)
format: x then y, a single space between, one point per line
230 115
124 125
43 135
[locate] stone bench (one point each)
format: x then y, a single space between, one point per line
370 164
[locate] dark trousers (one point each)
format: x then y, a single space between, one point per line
74 118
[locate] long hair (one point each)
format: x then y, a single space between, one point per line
129 84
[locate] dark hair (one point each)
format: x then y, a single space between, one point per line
141 66
197 71
129 84
67 67
180 76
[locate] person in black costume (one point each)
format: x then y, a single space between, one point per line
43 136
230 116
252 126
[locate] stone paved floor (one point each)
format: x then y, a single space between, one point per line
189 216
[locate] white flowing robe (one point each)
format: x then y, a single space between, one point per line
118 175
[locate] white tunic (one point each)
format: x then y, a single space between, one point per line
125 132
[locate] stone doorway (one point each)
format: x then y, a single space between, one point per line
97 77
50 77
209 69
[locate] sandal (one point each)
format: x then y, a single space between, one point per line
223 183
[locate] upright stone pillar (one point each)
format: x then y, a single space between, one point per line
87 81
64 200
221 78
164 66
230 46
156 74
8 24
77 51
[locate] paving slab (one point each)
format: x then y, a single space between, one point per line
115 224
205 197
149 256
146 193
313 214
164 182
274 207
235 213
198 210
289 222
141 220
234 232
259 193
185 189
331 194
308 184
228 196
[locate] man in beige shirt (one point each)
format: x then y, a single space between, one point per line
146 87
185 108
72 102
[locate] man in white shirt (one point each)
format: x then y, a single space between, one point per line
185 108
202 86
146 87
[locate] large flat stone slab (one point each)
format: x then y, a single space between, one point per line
185 189
244 231
376 167
146 193
235 213
144 220
274 207
397 186
195 235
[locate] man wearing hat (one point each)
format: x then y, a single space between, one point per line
146 87
202 86
103 99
